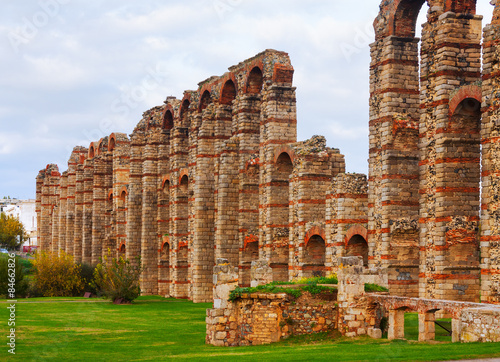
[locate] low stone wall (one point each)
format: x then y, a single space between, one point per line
266 318
480 324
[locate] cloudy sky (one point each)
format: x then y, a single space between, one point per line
74 71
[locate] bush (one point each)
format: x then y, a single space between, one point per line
20 284
56 276
87 274
117 279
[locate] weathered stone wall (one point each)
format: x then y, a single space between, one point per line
266 318
216 174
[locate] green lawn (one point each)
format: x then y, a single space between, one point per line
155 329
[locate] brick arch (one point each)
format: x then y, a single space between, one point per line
91 152
166 240
205 91
315 230
168 117
164 181
122 246
399 17
356 230
284 149
110 196
229 91
112 142
255 80
468 91
102 146
123 190
182 173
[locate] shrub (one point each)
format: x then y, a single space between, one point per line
19 285
117 279
56 276
87 273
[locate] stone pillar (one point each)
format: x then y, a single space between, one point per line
225 279
278 127
78 224
71 197
490 128
120 146
246 115
396 324
63 205
134 201
164 218
260 273
88 195
99 199
450 157
393 152
426 327
149 237
180 189
202 207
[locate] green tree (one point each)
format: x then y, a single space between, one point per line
12 232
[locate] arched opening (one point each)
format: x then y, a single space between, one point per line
91 150
228 93
255 81
168 120
357 246
184 113
112 144
314 257
122 251
205 100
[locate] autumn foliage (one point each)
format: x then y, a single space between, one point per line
117 279
57 276
12 232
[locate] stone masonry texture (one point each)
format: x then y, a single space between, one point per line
219 173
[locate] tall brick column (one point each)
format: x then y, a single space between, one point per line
63 210
71 197
88 195
490 140
278 127
79 199
394 155
180 188
134 201
99 199
248 108
449 166
149 237
120 147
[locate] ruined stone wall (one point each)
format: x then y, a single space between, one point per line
425 149
266 318
216 174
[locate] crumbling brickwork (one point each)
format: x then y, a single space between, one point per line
220 174
217 174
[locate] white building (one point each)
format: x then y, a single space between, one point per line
25 211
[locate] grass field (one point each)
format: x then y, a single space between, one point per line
155 329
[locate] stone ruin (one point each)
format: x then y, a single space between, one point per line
220 174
